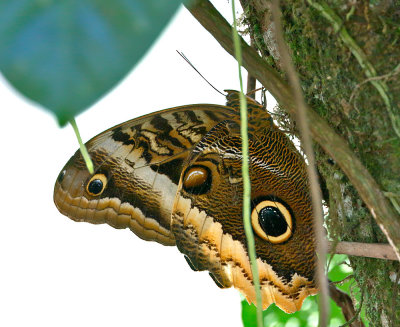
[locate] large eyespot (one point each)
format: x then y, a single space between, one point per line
96 184
197 180
272 221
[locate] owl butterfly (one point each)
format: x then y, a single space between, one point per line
174 177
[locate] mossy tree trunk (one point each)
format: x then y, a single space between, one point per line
347 55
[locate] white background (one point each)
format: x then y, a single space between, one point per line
56 272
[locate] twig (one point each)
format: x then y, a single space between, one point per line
394 72
251 85
312 172
251 81
368 250
356 314
323 134
344 301
344 280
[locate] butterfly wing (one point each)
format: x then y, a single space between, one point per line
207 213
137 168
174 176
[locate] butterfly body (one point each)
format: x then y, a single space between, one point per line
175 177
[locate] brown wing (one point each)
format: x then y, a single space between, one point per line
207 213
137 168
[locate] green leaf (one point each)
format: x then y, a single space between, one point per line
308 315
66 54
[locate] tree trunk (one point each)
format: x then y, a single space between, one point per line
347 55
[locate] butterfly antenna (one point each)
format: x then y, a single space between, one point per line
188 61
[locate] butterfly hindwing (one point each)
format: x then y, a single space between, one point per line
207 214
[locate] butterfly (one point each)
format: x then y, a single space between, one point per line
174 177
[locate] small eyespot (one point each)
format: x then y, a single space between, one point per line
96 184
272 221
197 180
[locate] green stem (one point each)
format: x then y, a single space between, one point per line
85 154
245 175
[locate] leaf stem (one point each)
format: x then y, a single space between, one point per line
245 174
85 154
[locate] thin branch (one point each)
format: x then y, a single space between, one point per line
316 197
368 250
323 134
251 85
394 72
344 280
356 315
344 302
251 81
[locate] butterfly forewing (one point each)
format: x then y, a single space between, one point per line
207 223
141 161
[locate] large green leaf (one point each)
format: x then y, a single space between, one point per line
66 54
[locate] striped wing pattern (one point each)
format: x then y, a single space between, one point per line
174 177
